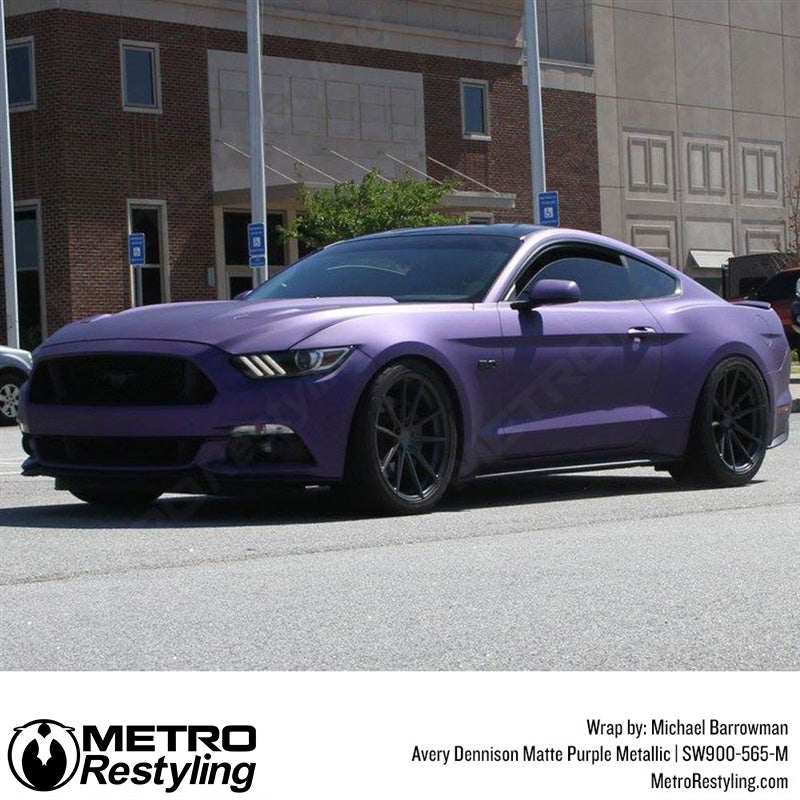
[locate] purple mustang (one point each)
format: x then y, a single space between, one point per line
400 363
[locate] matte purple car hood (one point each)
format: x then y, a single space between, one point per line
234 326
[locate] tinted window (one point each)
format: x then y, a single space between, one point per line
26 239
234 225
778 287
597 280
416 268
20 74
647 281
150 288
145 220
26 230
474 99
139 73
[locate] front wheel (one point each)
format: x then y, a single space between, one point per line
404 442
728 440
113 494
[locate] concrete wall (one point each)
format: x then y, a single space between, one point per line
310 109
698 112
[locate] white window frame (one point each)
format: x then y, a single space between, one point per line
25 40
36 205
161 205
154 49
487 135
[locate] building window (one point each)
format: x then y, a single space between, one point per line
475 109
21 68
237 260
28 252
150 282
649 164
761 171
141 81
707 167
235 234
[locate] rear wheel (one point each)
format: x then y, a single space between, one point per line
403 449
728 440
9 397
112 493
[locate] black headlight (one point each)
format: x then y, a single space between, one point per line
292 363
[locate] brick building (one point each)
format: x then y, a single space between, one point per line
133 116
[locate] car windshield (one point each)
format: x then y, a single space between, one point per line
419 268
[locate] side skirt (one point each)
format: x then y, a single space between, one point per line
659 464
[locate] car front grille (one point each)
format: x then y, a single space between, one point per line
116 451
120 380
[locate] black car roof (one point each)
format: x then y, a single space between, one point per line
516 231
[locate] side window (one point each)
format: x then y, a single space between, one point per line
648 282
597 279
21 71
141 80
778 287
475 109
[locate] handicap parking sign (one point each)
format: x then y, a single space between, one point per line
548 209
136 252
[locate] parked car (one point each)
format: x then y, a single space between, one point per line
400 363
780 292
15 367
795 312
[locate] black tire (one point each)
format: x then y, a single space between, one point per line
9 396
728 439
404 441
114 494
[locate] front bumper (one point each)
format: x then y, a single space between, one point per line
318 409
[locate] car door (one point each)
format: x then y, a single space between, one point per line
579 377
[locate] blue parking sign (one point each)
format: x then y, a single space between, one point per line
257 245
548 209
136 252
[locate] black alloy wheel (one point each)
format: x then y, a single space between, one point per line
730 431
404 444
738 419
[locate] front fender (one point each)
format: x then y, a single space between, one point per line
453 342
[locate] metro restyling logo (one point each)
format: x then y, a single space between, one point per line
44 755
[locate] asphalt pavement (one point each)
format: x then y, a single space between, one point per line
608 571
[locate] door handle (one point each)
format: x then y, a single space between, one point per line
639 332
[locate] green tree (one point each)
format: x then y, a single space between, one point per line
368 206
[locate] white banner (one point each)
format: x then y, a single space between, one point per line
400 735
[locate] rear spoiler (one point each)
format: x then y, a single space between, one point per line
752 303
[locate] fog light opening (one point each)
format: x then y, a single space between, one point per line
266 443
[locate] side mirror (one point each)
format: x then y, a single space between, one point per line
243 295
797 289
547 291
